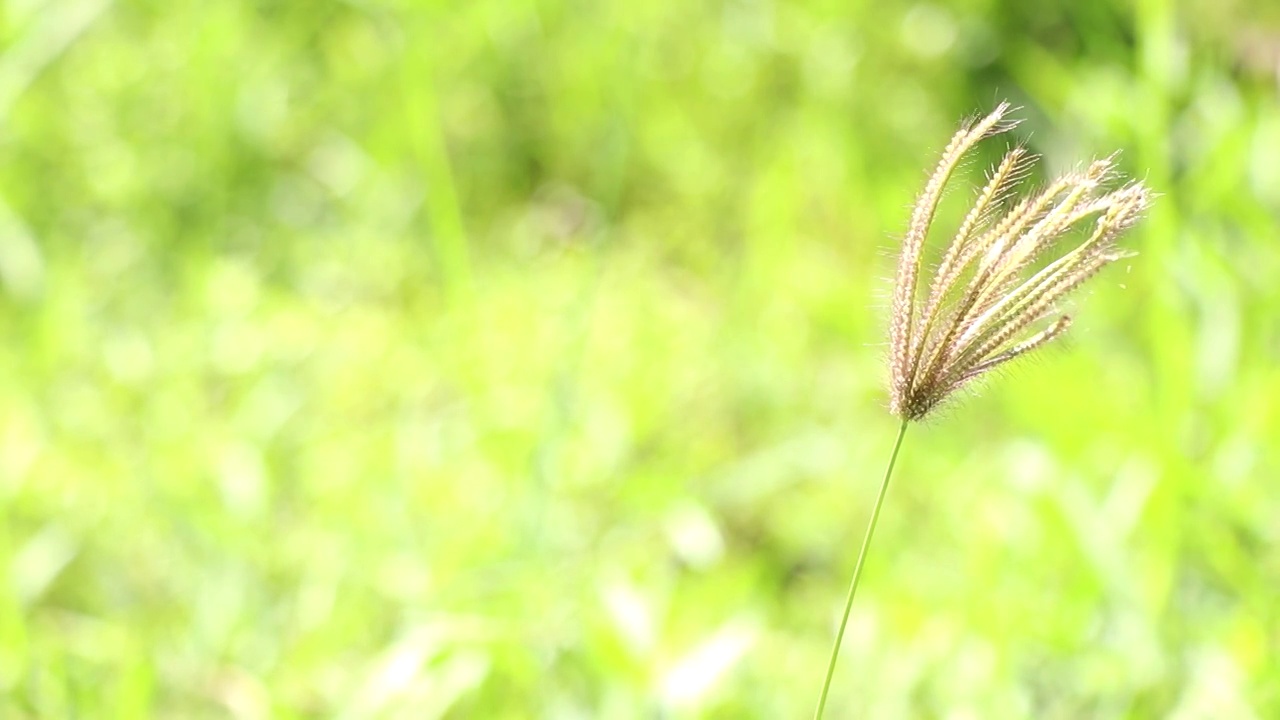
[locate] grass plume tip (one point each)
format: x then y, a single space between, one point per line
996 292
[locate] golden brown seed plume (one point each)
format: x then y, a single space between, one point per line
986 299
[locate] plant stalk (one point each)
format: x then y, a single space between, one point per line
857 572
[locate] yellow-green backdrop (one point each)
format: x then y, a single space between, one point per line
524 359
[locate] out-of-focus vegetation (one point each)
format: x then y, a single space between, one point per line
523 359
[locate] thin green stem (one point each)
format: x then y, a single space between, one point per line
857 572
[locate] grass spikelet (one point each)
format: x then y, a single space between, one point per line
980 309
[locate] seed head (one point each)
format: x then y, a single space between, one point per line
987 304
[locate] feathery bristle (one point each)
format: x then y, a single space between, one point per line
979 303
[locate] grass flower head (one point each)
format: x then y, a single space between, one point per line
987 303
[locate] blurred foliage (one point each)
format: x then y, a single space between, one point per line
523 358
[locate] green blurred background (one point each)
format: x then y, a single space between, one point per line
524 359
